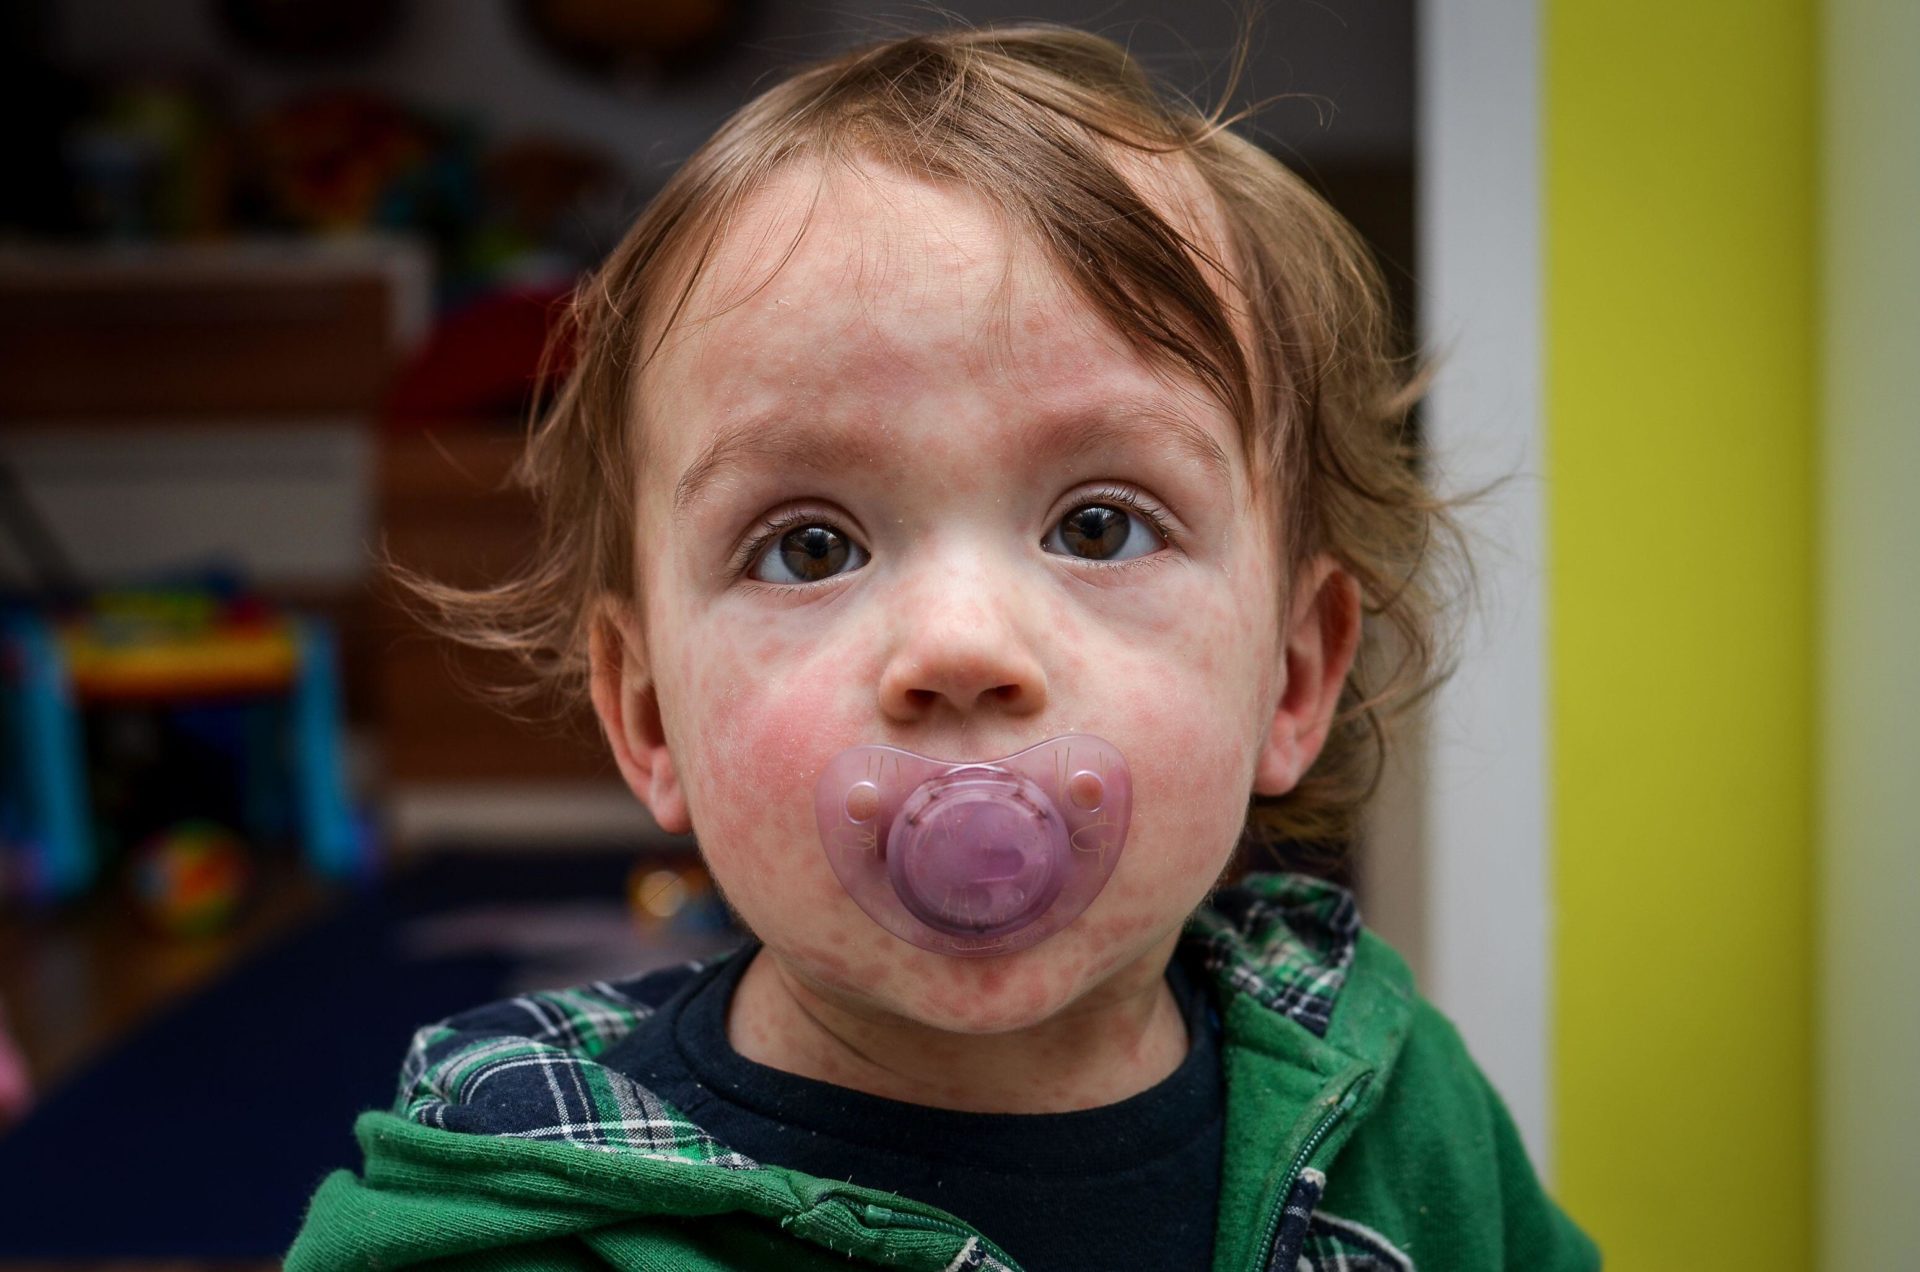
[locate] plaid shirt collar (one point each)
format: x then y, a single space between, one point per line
527 1066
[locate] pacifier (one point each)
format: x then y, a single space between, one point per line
977 858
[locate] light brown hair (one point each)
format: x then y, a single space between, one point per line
1047 123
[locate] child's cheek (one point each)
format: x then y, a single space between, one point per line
1194 716
754 743
1190 772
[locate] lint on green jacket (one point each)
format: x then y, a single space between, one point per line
1359 1135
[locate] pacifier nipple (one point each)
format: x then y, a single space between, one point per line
978 858
977 852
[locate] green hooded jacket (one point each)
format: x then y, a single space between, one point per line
1359 1136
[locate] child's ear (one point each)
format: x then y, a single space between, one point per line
1322 637
624 698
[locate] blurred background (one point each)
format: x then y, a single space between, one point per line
274 285
274 282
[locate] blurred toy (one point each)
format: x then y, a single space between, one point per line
177 641
144 707
482 361
548 208
531 213
678 898
16 1088
342 160
191 878
151 161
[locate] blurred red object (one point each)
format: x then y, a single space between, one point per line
482 361
16 1090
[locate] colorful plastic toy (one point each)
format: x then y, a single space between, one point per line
249 694
191 878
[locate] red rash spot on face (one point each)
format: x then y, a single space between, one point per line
1034 1002
1122 929
825 964
992 978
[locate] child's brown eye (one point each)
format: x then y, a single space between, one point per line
1102 532
806 554
1095 531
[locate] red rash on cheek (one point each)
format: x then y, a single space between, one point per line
757 744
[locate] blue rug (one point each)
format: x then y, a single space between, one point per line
203 1134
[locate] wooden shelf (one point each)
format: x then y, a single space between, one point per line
258 328
445 511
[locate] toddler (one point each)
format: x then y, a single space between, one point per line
977 497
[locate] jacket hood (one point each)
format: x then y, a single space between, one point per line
495 1104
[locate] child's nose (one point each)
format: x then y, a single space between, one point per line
964 652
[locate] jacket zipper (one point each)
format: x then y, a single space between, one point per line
1263 1249
882 1216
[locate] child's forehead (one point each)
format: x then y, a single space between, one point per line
902 236
869 286
884 238
866 268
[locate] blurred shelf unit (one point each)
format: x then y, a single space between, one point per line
261 328
165 406
168 407
448 509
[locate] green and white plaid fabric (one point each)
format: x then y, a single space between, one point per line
1340 1245
528 1066
1311 1240
1286 940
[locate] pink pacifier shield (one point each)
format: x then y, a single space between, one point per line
977 858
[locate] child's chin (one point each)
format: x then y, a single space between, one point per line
863 963
998 994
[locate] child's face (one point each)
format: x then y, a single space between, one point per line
948 438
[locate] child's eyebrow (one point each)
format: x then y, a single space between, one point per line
779 440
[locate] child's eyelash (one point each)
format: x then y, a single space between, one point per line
770 529
780 522
1156 515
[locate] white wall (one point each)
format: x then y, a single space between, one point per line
1486 949
286 504
1868 1025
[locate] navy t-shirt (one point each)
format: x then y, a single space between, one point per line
1133 1184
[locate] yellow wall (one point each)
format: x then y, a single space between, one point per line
1679 225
